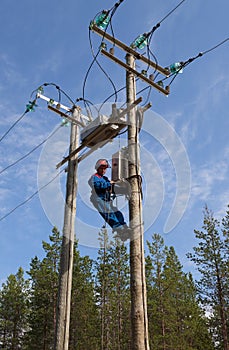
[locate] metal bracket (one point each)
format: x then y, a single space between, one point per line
100 133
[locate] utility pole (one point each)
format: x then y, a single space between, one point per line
139 319
67 249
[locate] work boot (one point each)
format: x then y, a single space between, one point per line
123 232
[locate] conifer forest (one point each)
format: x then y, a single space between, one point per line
184 313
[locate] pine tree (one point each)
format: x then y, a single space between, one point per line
44 286
112 290
119 296
103 288
177 321
84 321
212 263
225 230
13 311
155 290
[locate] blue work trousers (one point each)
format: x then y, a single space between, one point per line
108 211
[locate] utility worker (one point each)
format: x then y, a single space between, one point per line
101 198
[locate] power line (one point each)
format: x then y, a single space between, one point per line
30 152
174 9
215 47
106 17
29 107
29 198
17 121
59 90
145 39
182 65
105 21
102 69
119 90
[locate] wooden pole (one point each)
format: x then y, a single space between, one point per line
139 319
67 249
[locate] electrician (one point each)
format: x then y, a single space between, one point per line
101 197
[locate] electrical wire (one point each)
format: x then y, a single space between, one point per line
13 125
29 107
149 35
60 91
215 47
174 9
29 198
88 103
119 90
110 12
93 61
30 152
148 95
192 59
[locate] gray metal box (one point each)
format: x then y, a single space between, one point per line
120 165
87 130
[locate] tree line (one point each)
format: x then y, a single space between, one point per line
183 313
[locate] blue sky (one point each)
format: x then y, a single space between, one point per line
48 42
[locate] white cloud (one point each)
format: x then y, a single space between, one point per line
210 184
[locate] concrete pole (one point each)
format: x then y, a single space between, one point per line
67 249
139 319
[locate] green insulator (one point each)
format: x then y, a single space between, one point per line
144 72
51 102
65 122
102 20
176 68
103 45
140 42
40 89
30 106
160 83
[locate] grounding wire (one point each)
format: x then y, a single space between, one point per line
30 152
33 195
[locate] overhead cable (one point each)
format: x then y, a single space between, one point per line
145 39
17 121
59 90
29 107
29 198
30 152
102 19
179 66
142 40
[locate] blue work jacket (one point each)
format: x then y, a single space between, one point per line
100 186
